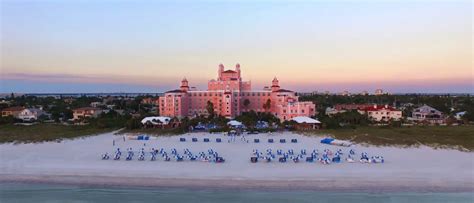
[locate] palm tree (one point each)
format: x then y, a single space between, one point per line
210 109
246 103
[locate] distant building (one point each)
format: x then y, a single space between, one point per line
31 114
379 92
96 104
427 114
69 100
150 100
12 111
383 113
345 93
86 112
341 108
230 96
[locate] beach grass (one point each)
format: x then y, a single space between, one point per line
453 137
46 132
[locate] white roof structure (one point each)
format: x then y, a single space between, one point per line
305 119
154 120
234 123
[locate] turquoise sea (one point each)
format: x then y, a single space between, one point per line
67 193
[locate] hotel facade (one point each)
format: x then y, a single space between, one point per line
231 96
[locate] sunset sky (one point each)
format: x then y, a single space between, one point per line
139 46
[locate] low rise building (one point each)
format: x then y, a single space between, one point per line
12 111
306 123
86 112
427 114
31 114
383 113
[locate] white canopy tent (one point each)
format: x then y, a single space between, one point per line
235 123
163 120
305 119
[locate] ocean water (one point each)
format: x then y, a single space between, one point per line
67 193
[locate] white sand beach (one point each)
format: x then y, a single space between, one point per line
79 161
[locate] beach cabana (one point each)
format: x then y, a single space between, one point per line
306 123
156 121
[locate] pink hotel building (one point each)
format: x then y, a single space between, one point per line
232 96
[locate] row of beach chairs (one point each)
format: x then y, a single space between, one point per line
270 140
196 140
256 140
209 156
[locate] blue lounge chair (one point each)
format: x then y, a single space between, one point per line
282 159
282 141
294 140
309 159
253 159
256 140
194 139
218 140
270 140
206 139
182 139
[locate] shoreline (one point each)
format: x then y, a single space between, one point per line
371 186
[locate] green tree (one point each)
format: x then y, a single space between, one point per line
246 103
